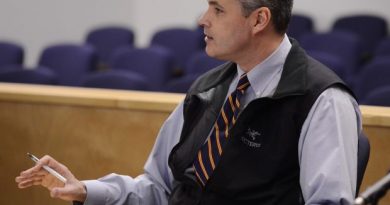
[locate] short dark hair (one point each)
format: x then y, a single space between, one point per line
280 11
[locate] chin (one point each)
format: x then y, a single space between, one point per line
212 53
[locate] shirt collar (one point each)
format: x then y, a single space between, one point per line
265 76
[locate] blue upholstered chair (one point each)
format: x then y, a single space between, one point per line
69 61
383 48
373 75
154 63
346 45
198 64
379 96
180 85
371 29
200 30
116 79
181 41
299 25
10 54
363 157
106 39
332 61
39 75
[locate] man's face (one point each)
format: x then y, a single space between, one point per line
228 32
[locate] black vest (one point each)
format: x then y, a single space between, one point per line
259 164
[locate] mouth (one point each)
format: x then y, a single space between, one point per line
207 37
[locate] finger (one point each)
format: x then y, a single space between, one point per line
18 179
25 184
54 164
46 160
28 183
23 178
27 174
32 170
30 180
51 182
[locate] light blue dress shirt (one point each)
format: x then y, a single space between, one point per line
327 147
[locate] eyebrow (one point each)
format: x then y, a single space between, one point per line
215 3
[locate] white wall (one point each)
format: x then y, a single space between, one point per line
151 15
325 12
38 23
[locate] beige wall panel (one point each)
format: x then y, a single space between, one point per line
91 141
379 162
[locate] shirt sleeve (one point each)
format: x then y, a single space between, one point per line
152 187
328 149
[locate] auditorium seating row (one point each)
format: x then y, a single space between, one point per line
357 49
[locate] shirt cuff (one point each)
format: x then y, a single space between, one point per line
96 194
77 203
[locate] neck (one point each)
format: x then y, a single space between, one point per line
261 48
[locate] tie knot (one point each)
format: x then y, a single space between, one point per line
243 83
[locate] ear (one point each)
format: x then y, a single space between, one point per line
261 19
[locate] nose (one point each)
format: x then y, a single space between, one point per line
202 21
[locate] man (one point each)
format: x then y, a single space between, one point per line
273 126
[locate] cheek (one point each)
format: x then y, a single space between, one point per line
230 35
237 37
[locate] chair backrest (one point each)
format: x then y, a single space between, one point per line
10 54
332 61
200 63
299 25
155 63
69 61
383 48
116 79
181 41
346 45
379 97
373 75
107 39
200 30
38 75
371 29
180 85
363 157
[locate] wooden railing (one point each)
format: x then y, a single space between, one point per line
96 131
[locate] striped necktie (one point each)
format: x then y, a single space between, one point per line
210 153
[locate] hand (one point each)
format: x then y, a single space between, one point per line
72 190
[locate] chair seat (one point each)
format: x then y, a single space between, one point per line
116 79
379 97
39 75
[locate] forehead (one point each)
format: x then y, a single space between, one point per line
225 3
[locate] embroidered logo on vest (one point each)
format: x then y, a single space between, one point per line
251 138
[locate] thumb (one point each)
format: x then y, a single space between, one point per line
70 192
62 193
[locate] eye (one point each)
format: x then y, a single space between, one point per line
218 10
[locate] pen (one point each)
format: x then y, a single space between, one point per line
48 169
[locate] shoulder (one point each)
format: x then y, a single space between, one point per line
337 98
